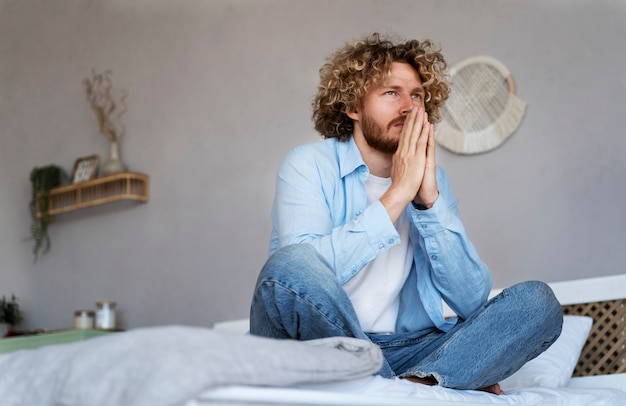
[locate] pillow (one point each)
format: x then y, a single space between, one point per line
554 367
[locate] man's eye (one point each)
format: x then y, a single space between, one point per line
390 92
417 96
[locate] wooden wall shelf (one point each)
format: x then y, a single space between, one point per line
107 189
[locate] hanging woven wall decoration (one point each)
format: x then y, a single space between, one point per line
482 110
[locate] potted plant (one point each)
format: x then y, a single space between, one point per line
42 180
10 314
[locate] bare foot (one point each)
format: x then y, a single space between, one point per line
430 381
495 389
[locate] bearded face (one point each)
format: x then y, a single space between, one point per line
379 118
379 137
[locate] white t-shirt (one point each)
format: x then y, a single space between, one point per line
375 290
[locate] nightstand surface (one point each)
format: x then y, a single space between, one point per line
55 337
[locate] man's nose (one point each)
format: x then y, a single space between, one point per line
406 104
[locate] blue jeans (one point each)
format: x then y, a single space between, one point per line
297 296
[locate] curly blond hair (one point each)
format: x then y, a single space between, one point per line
360 64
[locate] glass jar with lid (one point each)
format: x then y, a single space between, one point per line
83 319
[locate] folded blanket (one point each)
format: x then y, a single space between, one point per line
170 365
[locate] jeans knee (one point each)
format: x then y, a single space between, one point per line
297 265
542 294
286 261
539 299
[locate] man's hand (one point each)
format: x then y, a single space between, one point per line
413 166
428 191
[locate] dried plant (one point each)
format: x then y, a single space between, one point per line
109 113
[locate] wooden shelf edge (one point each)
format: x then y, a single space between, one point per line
98 181
99 191
94 203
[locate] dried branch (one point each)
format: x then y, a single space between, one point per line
102 102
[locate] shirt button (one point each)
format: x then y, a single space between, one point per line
433 257
381 246
358 213
390 241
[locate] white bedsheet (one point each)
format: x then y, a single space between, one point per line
376 390
617 381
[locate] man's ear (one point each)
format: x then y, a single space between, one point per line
354 114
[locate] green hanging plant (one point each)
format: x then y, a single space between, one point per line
42 180
10 312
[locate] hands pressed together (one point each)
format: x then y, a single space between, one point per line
413 173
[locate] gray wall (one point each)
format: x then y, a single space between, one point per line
221 90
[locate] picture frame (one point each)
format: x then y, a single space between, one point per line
85 168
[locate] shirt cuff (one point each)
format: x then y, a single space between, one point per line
381 233
430 221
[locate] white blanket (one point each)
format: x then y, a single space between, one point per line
170 365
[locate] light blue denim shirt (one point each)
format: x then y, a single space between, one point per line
321 200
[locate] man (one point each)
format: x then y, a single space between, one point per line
367 241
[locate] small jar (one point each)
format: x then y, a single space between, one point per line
105 315
83 319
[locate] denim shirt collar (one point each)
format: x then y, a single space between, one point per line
350 158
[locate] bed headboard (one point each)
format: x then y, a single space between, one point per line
605 350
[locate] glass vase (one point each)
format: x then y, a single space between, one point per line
114 164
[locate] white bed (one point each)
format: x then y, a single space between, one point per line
194 366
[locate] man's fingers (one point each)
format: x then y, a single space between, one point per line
405 141
422 134
413 132
430 150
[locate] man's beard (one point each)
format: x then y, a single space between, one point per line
373 134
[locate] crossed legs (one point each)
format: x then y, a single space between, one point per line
297 296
